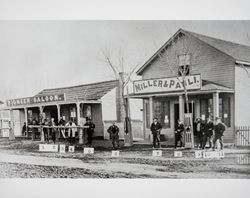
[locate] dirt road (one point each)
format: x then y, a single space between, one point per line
18 161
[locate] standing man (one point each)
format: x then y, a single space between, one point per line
71 131
208 132
89 130
156 131
62 123
198 128
53 130
24 129
219 129
113 131
179 134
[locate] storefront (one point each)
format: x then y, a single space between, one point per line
77 103
211 83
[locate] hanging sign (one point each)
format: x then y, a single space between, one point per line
192 82
36 100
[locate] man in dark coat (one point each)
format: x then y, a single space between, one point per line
179 134
24 129
208 132
89 130
62 122
199 130
156 131
219 129
113 130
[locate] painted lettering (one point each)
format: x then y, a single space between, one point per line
190 82
178 85
166 83
137 88
155 83
160 83
144 85
172 82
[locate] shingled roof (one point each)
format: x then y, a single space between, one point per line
237 51
93 91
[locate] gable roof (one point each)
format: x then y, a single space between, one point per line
237 51
93 91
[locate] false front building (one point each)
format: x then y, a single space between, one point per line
217 82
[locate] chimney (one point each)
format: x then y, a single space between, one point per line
120 110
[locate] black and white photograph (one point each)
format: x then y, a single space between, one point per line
125 99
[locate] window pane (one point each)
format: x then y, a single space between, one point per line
226 115
162 112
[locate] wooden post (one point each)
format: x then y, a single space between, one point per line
215 105
26 120
11 126
41 132
78 108
58 134
151 115
181 108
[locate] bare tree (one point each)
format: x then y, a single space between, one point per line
118 68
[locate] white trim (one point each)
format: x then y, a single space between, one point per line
242 62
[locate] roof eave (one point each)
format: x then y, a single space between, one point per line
140 70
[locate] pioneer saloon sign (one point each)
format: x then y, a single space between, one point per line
36 100
192 82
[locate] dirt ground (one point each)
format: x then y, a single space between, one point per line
21 159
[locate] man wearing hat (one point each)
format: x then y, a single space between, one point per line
198 132
219 129
89 130
156 130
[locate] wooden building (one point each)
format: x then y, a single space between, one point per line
217 80
99 101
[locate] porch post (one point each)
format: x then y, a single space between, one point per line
26 120
78 107
41 114
58 112
151 115
181 108
11 126
216 104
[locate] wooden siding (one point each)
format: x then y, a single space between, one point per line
97 119
212 64
242 95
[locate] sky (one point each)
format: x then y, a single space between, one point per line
38 54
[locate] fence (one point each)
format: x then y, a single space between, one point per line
242 136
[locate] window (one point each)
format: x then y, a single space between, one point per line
162 112
184 64
224 110
183 70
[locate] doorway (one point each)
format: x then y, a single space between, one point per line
176 111
51 112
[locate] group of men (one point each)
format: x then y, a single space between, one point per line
203 132
71 129
209 131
